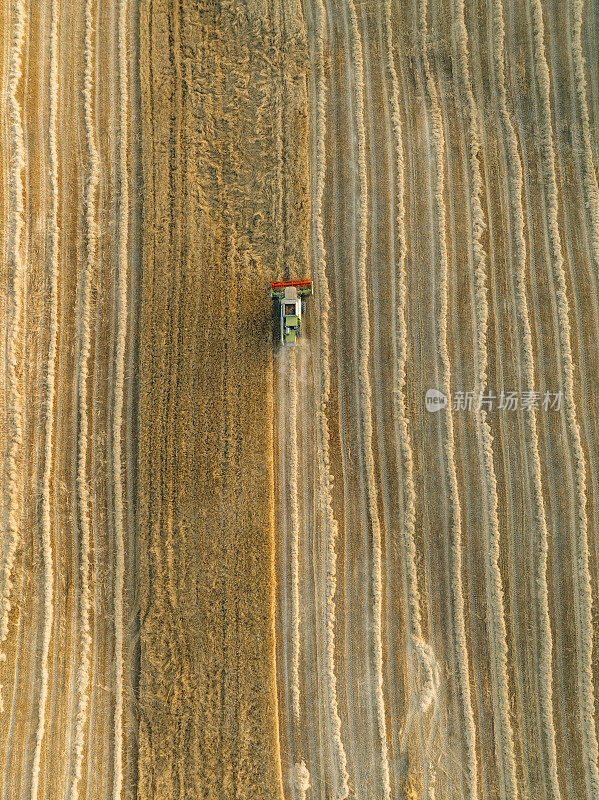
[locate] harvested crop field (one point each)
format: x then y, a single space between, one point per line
364 567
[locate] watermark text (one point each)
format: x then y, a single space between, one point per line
492 401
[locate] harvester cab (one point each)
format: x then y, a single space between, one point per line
290 295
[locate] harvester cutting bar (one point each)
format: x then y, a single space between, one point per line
304 287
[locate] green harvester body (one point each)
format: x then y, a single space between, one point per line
290 295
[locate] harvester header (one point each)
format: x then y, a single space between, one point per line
290 295
304 287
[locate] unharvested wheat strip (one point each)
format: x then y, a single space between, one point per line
50 392
294 547
589 176
82 371
14 324
325 500
365 390
278 209
581 576
121 336
422 696
286 130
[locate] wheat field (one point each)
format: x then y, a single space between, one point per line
365 567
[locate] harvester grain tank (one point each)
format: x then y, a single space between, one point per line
292 305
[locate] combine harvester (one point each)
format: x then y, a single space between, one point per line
290 295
